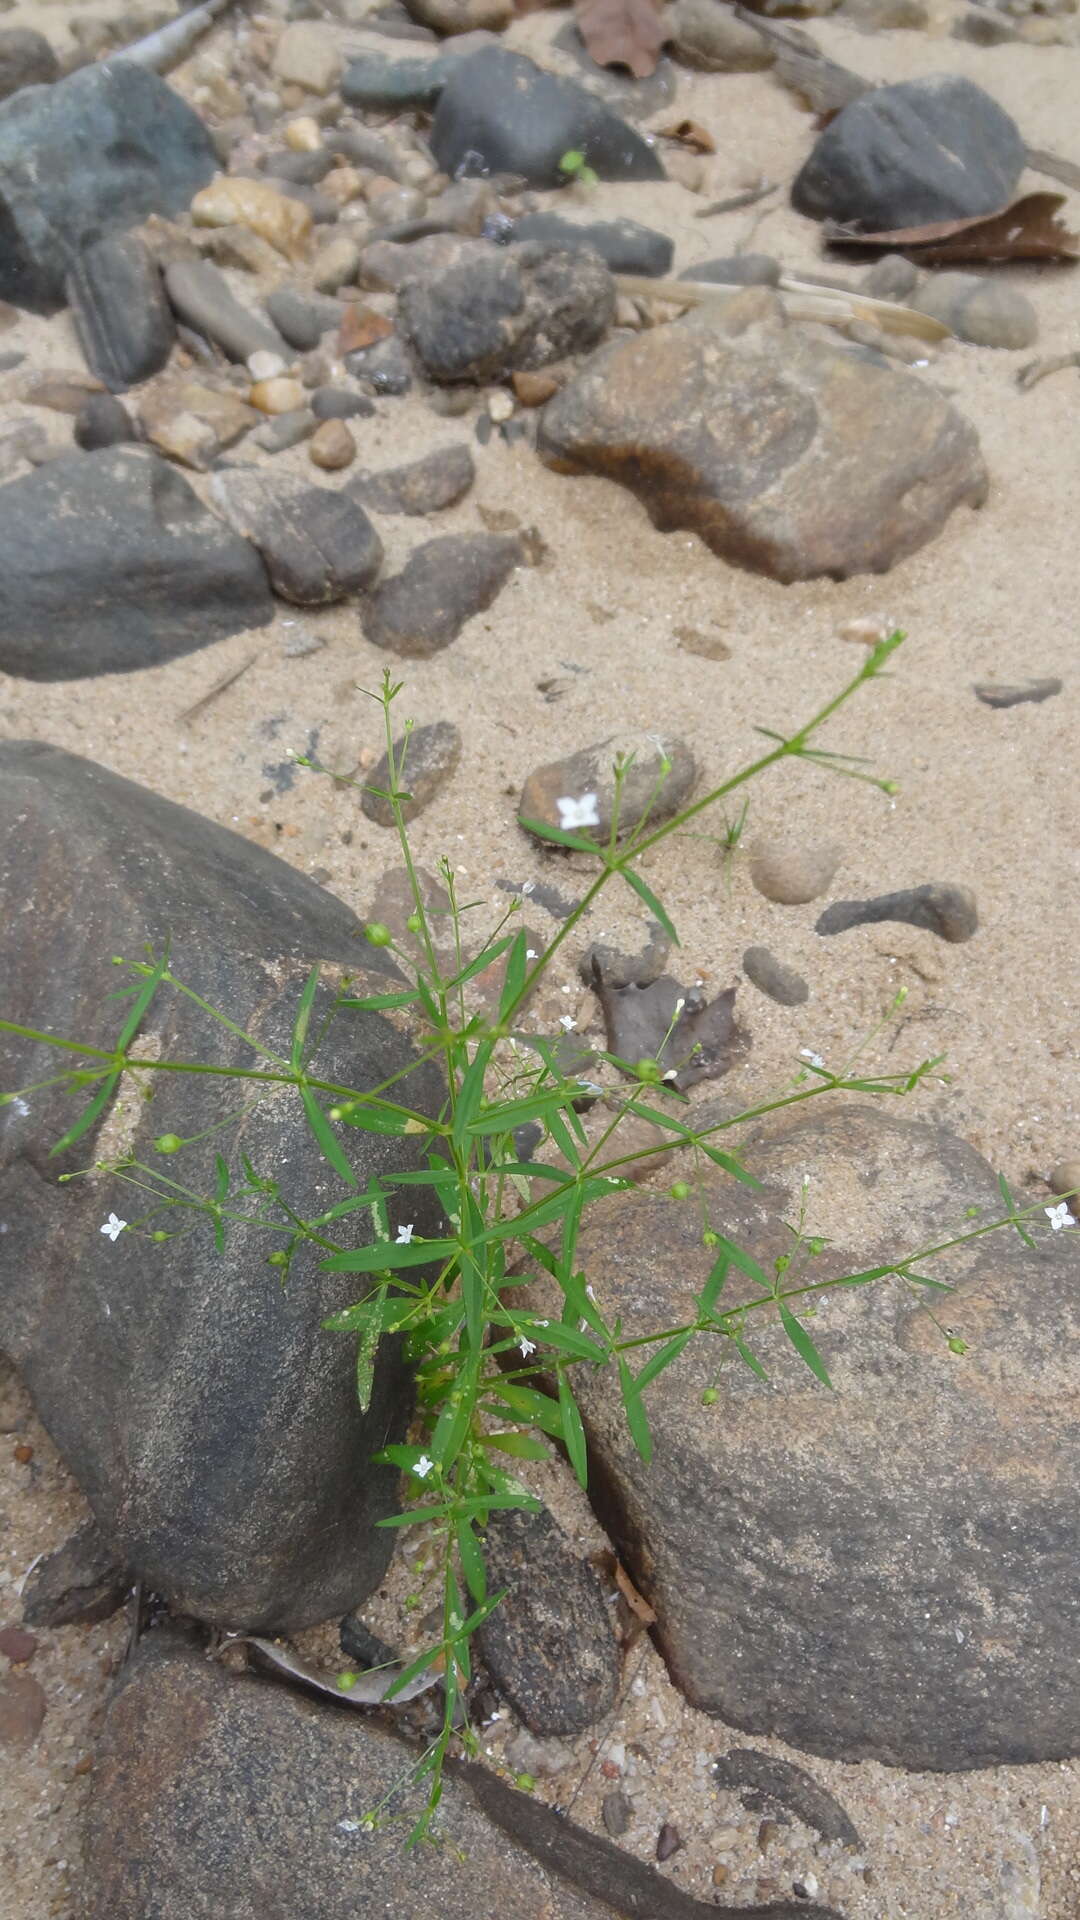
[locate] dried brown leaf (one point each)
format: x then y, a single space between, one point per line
641 1615
1027 230
691 134
622 33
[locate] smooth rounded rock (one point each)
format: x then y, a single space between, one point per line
710 37
577 793
770 975
985 312
332 446
426 758
514 118
790 872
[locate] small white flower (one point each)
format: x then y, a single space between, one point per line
567 1021
20 1107
423 1467
815 1059
528 886
590 1291
679 1005
1058 1216
526 1347
530 953
349 1826
672 1073
578 813
114 1227
404 1235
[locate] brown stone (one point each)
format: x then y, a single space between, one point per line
426 759
332 446
786 455
17 1645
231 200
533 389
22 1710
361 327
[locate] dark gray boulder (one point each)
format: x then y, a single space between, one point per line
110 562
924 150
216 1794
498 111
549 1645
123 320
210 1420
495 311
885 1571
318 544
96 152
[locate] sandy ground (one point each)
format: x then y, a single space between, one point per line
987 800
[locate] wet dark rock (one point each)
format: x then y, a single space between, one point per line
123 320
669 1841
984 312
617 1812
377 80
104 422
317 545
993 694
384 368
428 485
625 246
26 60
304 169
514 118
764 1520
199 293
138 570
426 759
495 311
940 907
82 1582
302 318
771 976
223 1792
209 1417
787 456
581 787
701 1041
94 153
549 1645
938 148
338 403
736 270
764 1784
442 585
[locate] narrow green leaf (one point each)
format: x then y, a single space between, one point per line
88 1115
744 1261
750 1359
480 1503
636 1417
1007 1196
803 1344
303 1020
471 1092
484 959
730 1165
527 1403
559 838
521 1445
221 1182
662 1358
555 1334
371 1117
389 1255
131 1025
924 1280
516 971
573 1432
375 1002
634 880
326 1138
714 1285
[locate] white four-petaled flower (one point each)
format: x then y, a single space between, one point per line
578 813
404 1235
21 1107
1059 1216
815 1059
526 1347
114 1227
423 1467
567 1020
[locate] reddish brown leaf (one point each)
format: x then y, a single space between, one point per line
1027 230
361 327
622 33
689 133
641 1615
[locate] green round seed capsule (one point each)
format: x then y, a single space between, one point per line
160 1235
346 1681
277 1259
168 1143
378 935
710 1397
957 1346
680 1190
414 923
709 1238
648 1070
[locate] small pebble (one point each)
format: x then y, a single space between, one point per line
279 395
1065 1177
994 695
790 873
939 907
263 365
805 1887
891 278
500 405
865 632
23 1453
304 135
332 446
616 1812
17 1645
984 312
22 1710
429 757
772 977
335 264
668 1841
725 1838
337 403
768 1833
721 1875
532 389
285 430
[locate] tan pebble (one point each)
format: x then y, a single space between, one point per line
724 1838
500 405
343 184
868 633
390 204
277 396
307 56
1065 1177
335 264
628 313
23 1453
720 1876
532 389
791 873
332 446
228 200
304 135
60 390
